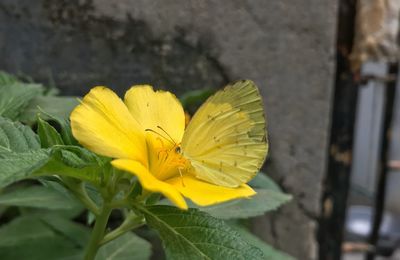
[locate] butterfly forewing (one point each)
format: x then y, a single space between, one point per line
226 138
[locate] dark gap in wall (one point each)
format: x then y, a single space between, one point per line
337 179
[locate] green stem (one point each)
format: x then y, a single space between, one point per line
131 222
118 203
98 232
86 200
79 190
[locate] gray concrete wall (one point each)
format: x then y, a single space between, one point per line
286 47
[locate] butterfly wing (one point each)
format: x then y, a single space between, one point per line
225 140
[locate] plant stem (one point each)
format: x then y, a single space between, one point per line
82 195
79 190
98 232
131 222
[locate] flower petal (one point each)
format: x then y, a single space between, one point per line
149 182
103 124
205 194
156 108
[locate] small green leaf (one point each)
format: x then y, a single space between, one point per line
90 218
76 162
48 135
196 97
137 190
265 200
270 253
261 180
72 160
37 197
78 157
193 234
127 247
90 174
64 125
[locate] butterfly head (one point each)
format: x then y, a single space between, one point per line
178 149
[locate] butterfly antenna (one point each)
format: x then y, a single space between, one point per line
151 130
162 129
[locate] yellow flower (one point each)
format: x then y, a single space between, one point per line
142 134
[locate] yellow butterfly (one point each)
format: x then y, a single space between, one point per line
225 140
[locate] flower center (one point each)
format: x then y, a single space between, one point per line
165 159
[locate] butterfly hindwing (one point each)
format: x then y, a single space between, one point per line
226 139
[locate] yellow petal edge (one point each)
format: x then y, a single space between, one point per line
149 182
103 124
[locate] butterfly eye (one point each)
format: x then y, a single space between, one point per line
178 149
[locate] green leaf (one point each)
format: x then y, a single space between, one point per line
265 200
90 218
65 130
195 97
23 101
269 197
48 135
126 247
37 197
54 184
76 162
77 234
15 137
6 78
72 160
270 253
78 157
261 180
20 153
52 247
18 166
60 107
92 174
31 238
16 95
23 229
63 123
193 234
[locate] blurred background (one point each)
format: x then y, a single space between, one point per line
327 70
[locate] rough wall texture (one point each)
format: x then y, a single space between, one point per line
286 47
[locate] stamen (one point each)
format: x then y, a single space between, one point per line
180 173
